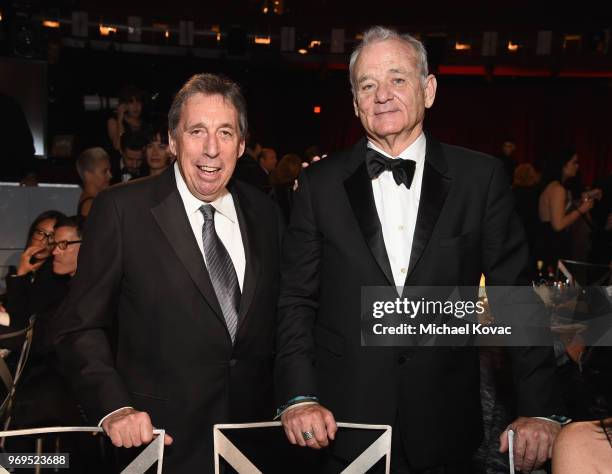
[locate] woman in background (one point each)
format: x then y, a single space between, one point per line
557 211
157 153
93 166
129 115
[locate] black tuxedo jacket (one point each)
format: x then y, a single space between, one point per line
142 284
334 245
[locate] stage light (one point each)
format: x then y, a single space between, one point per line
317 109
314 43
462 46
302 51
167 34
262 40
513 47
51 24
107 30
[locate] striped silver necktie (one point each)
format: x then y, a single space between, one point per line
221 270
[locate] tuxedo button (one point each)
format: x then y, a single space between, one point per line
401 227
403 270
233 362
401 360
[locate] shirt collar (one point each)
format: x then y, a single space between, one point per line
415 151
224 204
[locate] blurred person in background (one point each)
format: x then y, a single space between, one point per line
128 117
130 165
34 287
267 160
525 190
157 153
557 210
94 168
508 149
282 179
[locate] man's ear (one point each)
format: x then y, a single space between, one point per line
241 148
431 86
171 143
355 106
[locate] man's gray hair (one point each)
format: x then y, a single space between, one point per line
209 84
381 33
89 159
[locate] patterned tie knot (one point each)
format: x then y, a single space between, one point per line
208 212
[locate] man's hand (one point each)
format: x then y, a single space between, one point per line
533 441
130 428
313 419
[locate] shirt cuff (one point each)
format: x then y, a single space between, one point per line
112 413
561 420
299 400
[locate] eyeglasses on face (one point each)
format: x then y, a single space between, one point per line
41 234
63 245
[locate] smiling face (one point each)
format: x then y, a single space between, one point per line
390 94
207 144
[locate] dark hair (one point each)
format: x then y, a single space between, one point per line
209 84
251 141
129 92
160 130
553 169
76 222
51 214
132 140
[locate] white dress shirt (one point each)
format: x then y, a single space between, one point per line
398 208
226 223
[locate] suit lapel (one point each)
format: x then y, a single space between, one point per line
172 220
358 188
434 190
251 238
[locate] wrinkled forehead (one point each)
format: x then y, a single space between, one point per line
209 107
385 55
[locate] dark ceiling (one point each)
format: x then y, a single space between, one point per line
315 14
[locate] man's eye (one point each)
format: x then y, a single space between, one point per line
226 133
398 81
367 87
196 132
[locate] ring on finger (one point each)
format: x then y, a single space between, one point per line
307 435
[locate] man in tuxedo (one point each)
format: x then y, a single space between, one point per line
399 208
170 318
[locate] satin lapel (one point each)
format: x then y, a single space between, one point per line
171 218
251 238
434 190
358 188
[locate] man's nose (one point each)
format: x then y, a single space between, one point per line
211 145
383 93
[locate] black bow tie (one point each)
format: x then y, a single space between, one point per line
403 170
